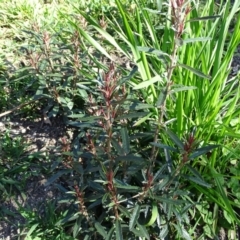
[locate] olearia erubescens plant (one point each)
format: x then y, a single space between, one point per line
126 189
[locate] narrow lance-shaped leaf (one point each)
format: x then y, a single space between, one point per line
143 231
159 172
183 88
132 115
160 145
162 97
152 51
110 233
125 140
140 121
206 18
169 200
119 235
131 74
134 217
199 39
56 176
147 83
100 229
203 150
168 160
195 71
198 181
152 11
92 41
193 171
159 5
175 139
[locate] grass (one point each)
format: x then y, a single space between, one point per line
52 61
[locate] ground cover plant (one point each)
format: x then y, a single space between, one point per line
147 91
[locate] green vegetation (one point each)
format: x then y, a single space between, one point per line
146 89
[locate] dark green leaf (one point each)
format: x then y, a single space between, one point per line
159 172
204 18
119 149
203 150
162 97
152 51
169 201
134 217
160 145
195 71
132 115
198 181
193 171
143 231
139 106
100 229
122 185
125 140
110 233
175 139
119 235
56 176
131 74
124 210
131 158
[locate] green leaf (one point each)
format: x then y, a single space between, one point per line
119 148
124 210
130 158
56 176
224 198
149 82
110 233
199 39
160 145
100 229
194 171
122 185
154 214
169 201
152 11
134 217
162 97
142 120
159 172
159 5
132 115
195 71
125 140
182 88
204 18
92 41
119 235
203 150
139 106
182 232
31 230
175 139
143 231
198 181
153 51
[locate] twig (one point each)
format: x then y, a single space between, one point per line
18 107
